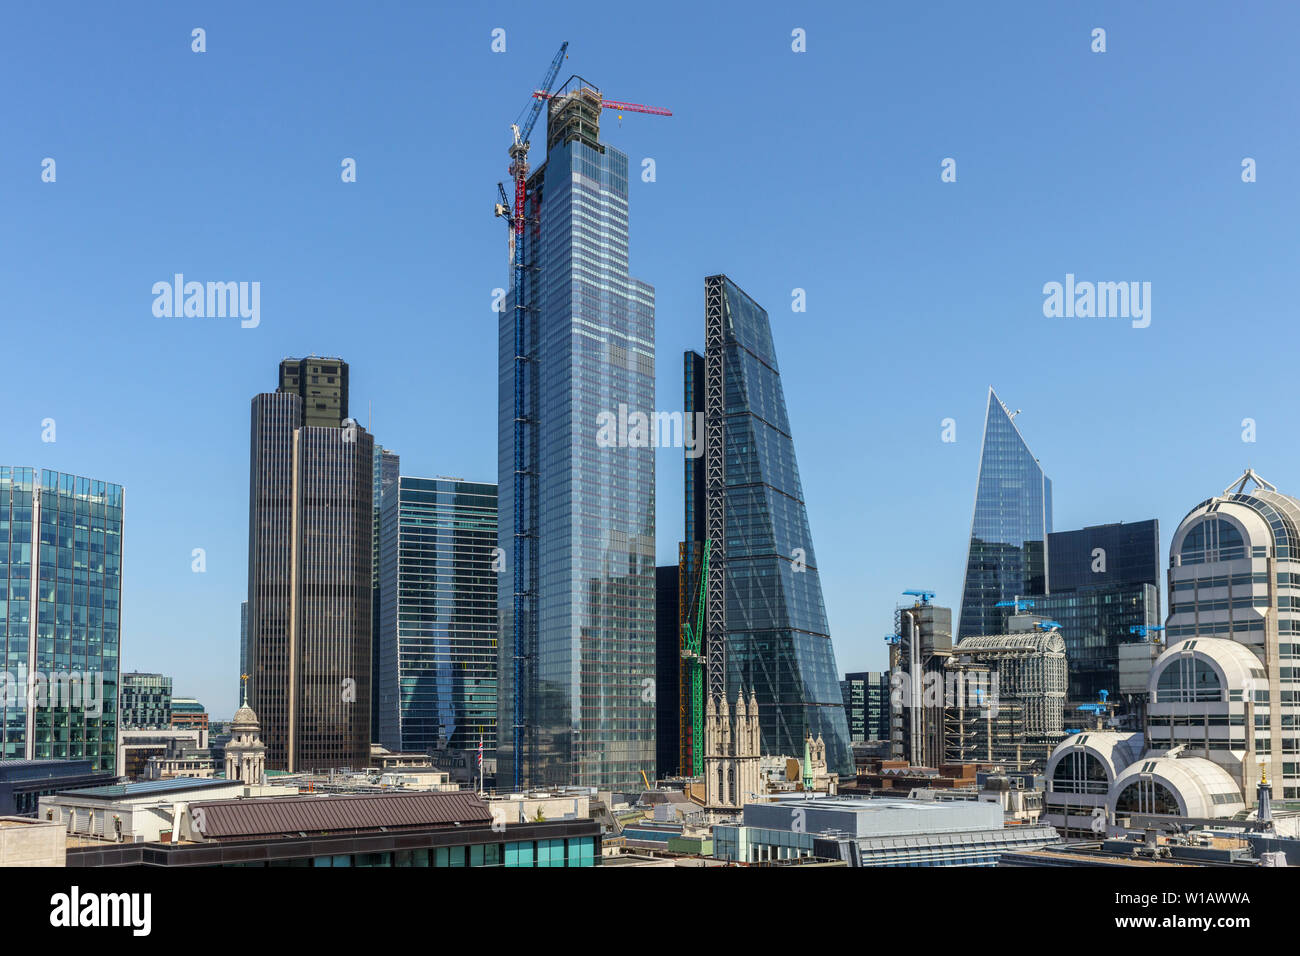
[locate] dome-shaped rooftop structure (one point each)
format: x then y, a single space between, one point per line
1186 786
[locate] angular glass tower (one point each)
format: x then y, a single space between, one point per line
767 600
587 637
60 600
437 624
1013 517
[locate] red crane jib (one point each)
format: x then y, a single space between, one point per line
616 105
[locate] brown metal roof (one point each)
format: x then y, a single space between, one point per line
285 816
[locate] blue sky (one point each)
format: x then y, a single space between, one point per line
817 170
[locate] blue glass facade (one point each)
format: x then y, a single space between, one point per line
590 510
1103 580
438 616
1013 516
777 638
60 598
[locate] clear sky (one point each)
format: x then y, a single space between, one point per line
816 170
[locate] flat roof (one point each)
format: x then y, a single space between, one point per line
148 787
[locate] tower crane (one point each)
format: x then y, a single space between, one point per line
523 592
692 654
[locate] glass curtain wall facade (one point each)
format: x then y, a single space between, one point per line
438 616
778 640
60 600
591 510
1007 558
866 705
387 469
145 701
1102 581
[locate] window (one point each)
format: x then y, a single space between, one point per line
1146 796
1080 772
1212 540
1188 679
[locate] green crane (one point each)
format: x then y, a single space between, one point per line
691 638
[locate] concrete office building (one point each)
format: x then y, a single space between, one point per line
881 832
309 569
1223 708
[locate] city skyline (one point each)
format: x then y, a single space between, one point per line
1121 436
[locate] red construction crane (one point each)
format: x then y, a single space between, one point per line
614 105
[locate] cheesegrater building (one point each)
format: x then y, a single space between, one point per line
766 629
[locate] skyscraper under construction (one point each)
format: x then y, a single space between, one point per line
586 513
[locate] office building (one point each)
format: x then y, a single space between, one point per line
583 576
243 645
1004 699
23 782
766 628
219 823
309 570
1103 589
321 385
437 680
1007 556
61 571
387 469
145 701
690 558
919 652
668 668
1223 710
187 713
866 705
879 832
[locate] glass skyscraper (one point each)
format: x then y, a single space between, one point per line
764 591
60 599
1102 581
437 678
387 469
1013 516
587 654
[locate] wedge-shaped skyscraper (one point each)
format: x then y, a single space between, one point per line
763 593
1013 517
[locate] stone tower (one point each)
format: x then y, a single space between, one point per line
245 754
731 752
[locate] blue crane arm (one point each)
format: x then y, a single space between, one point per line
526 130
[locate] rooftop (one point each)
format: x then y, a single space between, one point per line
148 788
283 816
